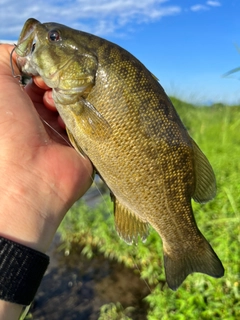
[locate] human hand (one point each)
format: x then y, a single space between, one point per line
41 176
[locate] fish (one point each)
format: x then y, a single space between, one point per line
118 115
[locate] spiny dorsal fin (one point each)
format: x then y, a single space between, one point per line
128 225
205 189
154 77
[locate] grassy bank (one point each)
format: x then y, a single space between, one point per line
216 129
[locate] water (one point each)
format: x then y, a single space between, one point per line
75 287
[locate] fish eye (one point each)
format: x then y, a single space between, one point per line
54 35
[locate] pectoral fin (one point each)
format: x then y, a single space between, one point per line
128 225
205 189
92 123
74 143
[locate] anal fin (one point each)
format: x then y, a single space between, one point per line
129 226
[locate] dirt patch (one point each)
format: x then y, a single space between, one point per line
75 287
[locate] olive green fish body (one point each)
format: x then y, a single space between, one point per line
118 115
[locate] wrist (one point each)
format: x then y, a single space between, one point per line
21 271
9 310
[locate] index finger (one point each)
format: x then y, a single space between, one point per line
40 83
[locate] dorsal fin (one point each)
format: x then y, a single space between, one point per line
205 189
128 225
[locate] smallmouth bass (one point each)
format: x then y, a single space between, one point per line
117 114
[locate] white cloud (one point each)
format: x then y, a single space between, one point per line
96 16
214 3
206 6
198 7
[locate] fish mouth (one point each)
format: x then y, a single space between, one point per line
26 46
25 60
28 65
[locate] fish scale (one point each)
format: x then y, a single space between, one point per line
117 114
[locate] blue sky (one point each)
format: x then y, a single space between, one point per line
187 44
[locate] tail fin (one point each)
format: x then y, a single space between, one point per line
197 259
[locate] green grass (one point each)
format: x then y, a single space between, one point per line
216 129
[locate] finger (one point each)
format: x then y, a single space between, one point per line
8 68
49 103
40 83
34 92
61 123
48 100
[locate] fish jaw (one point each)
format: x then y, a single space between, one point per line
26 38
24 47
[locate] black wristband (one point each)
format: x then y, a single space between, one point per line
21 271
